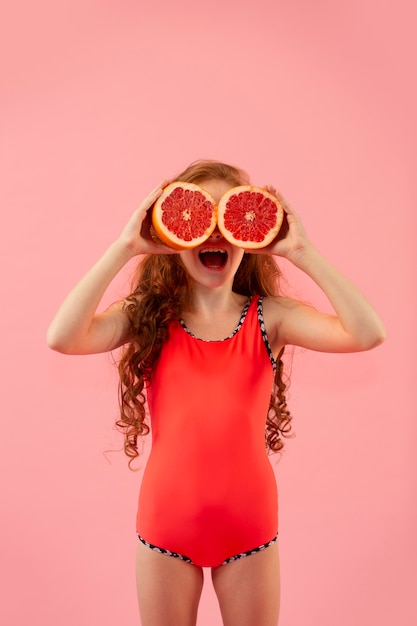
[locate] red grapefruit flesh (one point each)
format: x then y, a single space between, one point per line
184 216
249 217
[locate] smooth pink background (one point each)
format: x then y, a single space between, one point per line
100 100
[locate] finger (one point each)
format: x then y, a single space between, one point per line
151 198
271 189
284 228
161 249
155 193
286 205
278 195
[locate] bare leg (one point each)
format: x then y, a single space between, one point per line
249 589
168 589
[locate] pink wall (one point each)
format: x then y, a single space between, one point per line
100 101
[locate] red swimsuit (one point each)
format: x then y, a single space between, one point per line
209 492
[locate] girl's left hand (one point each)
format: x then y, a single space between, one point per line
292 239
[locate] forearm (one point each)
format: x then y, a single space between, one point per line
356 315
69 330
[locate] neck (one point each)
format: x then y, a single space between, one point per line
209 300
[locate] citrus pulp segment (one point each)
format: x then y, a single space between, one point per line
184 216
249 217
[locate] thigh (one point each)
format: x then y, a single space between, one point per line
248 590
168 589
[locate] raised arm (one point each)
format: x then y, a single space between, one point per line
77 328
354 326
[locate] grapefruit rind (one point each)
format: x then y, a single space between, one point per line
249 217
187 209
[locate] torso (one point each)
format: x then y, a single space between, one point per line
208 490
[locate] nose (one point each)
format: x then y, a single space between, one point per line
216 234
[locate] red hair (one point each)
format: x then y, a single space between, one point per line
160 292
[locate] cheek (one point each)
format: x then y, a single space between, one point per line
189 260
237 257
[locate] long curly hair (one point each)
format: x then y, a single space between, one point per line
161 290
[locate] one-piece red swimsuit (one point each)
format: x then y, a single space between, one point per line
208 491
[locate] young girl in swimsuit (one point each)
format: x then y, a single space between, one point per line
202 336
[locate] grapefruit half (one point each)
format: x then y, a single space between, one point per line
184 215
249 217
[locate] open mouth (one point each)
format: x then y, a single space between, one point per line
213 258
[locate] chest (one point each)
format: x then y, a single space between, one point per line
213 328
210 386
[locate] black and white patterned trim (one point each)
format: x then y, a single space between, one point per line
249 552
241 555
264 334
163 551
236 330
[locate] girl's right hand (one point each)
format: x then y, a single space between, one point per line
78 327
137 236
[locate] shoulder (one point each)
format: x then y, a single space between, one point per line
113 326
274 310
277 309
280 315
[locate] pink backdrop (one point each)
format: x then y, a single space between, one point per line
100 101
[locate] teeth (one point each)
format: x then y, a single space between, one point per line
212 250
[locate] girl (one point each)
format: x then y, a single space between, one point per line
202 334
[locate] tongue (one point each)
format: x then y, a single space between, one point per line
213 260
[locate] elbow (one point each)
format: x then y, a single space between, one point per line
57 343
380 335
51 340
376 338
